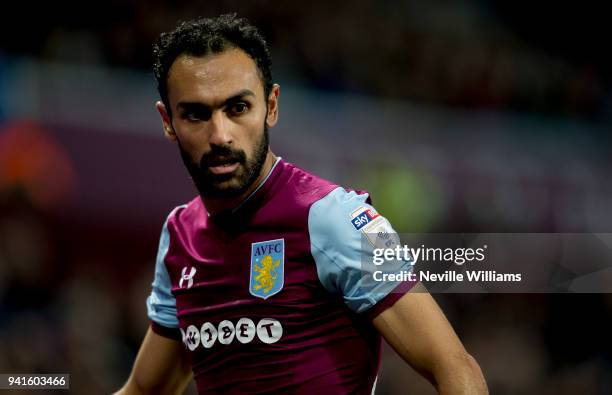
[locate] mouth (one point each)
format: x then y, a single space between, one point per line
223 166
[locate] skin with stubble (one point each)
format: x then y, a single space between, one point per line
220 118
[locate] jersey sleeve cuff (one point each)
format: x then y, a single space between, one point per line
169 333
390 299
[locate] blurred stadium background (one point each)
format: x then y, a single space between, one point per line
470 116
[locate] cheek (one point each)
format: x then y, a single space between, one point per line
191 143
255 133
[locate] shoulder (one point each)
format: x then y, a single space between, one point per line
345 223
184 215
342 211
305 183
295 190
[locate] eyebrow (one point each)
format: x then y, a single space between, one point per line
231 99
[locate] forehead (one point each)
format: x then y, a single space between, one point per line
212 78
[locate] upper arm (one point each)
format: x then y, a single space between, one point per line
161 303
161 367
418 330
344 231
420 333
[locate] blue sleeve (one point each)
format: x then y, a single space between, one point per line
161 304
344 231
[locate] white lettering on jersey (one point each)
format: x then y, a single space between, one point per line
226 332
208 335
245 330
267 330
192 337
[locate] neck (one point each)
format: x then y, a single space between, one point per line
219 205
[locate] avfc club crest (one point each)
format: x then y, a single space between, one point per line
267 268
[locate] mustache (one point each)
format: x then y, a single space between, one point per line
221 154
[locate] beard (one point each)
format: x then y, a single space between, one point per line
232 184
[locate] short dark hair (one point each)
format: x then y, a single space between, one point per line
203 36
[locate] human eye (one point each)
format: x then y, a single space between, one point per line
190 116
195 115
238 108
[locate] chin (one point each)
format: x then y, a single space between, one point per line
224 190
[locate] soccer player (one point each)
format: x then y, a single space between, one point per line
258 283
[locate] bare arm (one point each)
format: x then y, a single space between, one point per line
420 333
160 368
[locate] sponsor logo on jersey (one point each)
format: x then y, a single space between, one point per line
376 229
382 235
191 337
363 216
267 268
267 330
187 278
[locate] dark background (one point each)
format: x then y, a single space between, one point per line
469 116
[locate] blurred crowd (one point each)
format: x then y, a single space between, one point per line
492 54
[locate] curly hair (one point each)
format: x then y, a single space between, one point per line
203 36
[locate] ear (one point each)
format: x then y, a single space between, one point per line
166 121
273 106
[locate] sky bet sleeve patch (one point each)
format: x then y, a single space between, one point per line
374 226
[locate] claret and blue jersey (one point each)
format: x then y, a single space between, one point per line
272 298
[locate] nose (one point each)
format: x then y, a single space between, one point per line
219 128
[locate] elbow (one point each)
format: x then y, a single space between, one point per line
475 374
128 390
132 387
462 375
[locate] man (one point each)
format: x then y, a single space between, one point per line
258 284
